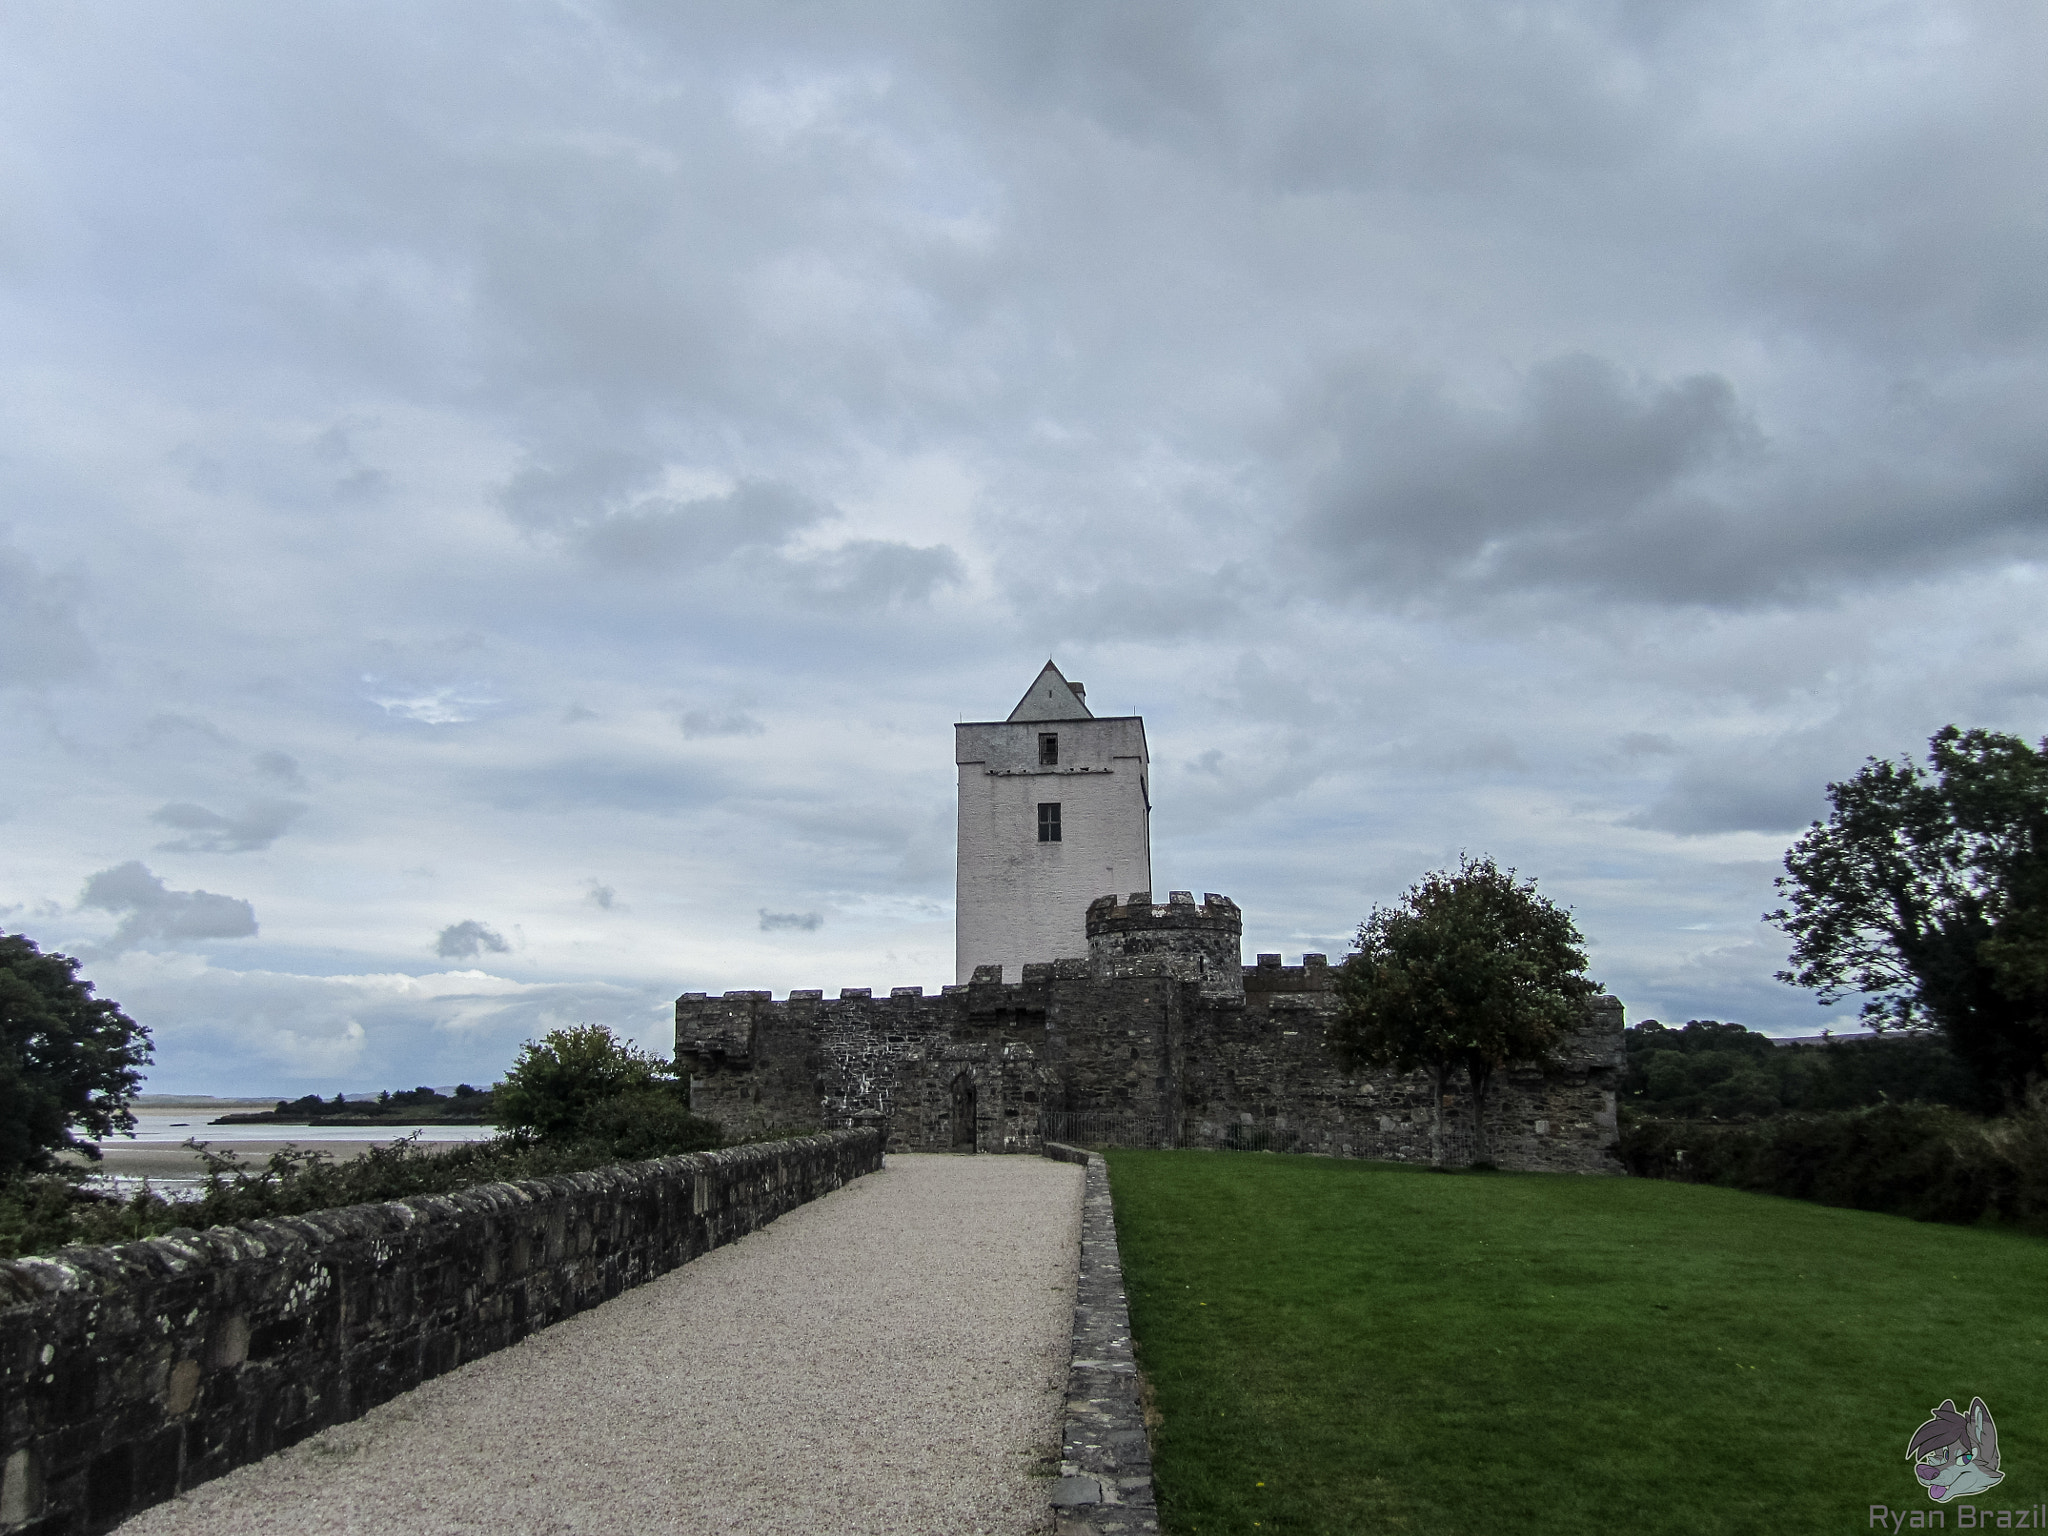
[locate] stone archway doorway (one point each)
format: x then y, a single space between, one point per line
963 1112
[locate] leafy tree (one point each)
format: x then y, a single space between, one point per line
558 1078
67 1059
1926 890
1470 970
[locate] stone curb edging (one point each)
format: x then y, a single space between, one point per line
1105 1481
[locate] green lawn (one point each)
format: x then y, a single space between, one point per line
1358 1347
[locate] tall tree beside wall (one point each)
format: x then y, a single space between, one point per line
69 1061
1470 970
1926 891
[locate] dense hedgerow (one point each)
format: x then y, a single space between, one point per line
1924 1161
1709 1069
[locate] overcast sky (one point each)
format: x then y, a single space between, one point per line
502 504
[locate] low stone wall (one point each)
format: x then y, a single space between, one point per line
1105 1482
132 1372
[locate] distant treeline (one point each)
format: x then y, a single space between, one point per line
466 1106
1709 1070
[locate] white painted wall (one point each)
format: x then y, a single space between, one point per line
1020 900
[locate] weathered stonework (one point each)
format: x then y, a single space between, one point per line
130 1373
1105 1482
1157 1037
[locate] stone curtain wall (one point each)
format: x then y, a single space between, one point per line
902 1061
132 1372
1127 1048
1268 1068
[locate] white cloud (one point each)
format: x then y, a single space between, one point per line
262 1032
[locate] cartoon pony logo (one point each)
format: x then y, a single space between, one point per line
1956 1454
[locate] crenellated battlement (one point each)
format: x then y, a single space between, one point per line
1138 911
1196 943
1314 974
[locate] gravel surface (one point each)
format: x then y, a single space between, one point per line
891 1357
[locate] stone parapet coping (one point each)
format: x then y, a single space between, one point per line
133 1372
1105 1481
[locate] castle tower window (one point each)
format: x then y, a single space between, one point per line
1097 768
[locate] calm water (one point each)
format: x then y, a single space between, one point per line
168 1127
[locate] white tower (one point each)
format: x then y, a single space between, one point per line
1055 810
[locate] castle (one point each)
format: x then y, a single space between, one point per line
1126 1021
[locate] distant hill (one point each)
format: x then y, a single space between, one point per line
461 1105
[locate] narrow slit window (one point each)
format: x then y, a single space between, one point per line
1049 749
1048 821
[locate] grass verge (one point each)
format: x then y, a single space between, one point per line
1340 1347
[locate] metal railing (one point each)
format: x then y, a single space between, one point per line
1110 1130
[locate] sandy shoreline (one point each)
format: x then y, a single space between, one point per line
160 1160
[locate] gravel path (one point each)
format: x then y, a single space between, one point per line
889 1358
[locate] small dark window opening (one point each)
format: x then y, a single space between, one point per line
1049 749
1049 821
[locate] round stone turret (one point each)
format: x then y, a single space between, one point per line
1201 944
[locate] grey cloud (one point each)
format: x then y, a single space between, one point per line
704 722
40 641
658 535
1163 598
1663 491
807 922
260 824
156 912
600 895
468 939
159 726
869 574
1704 800
1421 492
281 766
1477 754
655 788
1647 744
1778 785
579 492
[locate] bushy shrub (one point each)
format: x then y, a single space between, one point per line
650 1122
1925 1161
42 1211
559 1077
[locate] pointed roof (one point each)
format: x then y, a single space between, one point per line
1050 697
